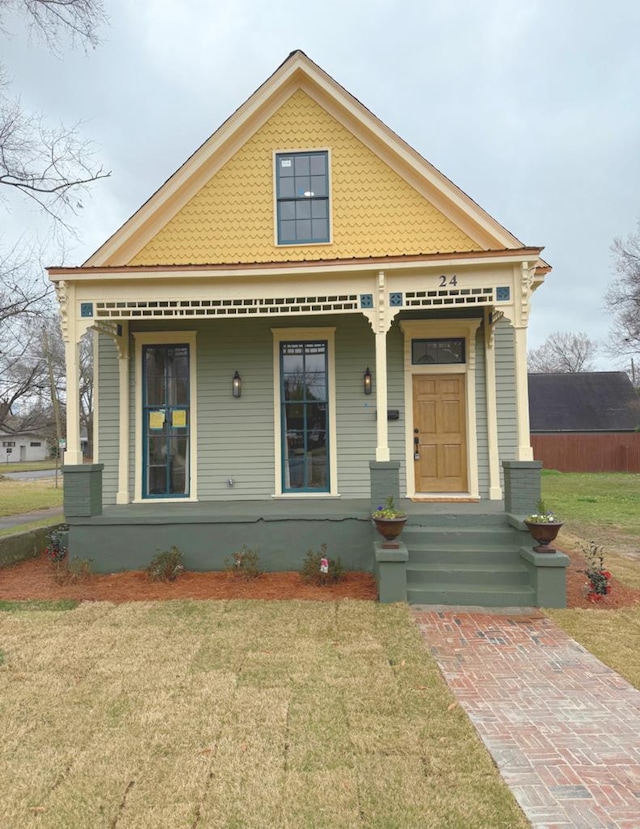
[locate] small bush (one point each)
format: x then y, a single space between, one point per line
71 572
319 569
56 549
166 566
598 585
243 564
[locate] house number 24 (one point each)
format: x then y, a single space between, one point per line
448 280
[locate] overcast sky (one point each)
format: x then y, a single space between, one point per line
531 107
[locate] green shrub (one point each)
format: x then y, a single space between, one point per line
243 564
166 566
313 570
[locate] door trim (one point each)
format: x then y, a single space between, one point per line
427 329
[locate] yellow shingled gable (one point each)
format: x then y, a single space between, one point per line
375 212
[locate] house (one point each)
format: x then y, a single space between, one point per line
306 318
22 446
585 422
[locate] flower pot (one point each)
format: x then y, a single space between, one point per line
544 534
390 529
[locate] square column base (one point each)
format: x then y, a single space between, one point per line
391 572
82 490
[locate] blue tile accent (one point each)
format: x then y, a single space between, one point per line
395 300
503 294
86 309
366 300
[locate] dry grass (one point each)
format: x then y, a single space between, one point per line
611 635
24 496
235 714
32 525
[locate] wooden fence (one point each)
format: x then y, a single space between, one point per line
609 452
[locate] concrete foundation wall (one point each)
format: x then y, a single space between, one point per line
281 544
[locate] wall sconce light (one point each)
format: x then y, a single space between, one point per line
367 381
237 385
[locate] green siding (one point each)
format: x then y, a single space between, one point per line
236 436
108 402
506 391
395 400
482 437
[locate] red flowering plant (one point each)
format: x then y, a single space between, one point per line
598 578
56 549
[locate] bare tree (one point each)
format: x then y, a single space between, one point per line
51 166
623 297
563 353
79 19
22 287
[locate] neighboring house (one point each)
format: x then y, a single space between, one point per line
305 318
585 422
22 446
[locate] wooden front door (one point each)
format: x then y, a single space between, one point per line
439 433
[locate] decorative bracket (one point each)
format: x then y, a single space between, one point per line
526 282
384 308
118 332
492 318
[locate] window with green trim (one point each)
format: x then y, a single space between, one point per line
302 194
304 416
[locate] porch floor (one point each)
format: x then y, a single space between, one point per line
188 512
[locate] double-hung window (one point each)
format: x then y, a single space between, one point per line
302 195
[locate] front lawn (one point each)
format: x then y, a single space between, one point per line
29 466
610 499
611 635
235 714
17 497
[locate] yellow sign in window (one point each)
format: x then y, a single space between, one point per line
156 420
179 418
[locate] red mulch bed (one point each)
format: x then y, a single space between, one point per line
34 579
621 595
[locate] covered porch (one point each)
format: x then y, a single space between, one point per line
474 553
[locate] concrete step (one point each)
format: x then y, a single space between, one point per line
472 556
419 574
472 595
469 536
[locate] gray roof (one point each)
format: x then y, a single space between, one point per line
590 401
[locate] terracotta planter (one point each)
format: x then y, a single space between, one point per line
544 534
390 529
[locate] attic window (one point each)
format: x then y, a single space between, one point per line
302 194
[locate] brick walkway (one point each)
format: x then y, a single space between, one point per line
563 729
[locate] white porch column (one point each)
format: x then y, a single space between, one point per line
382 443
525 452
495 490
122 496
73 452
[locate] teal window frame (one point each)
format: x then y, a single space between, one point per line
301 193
170 432
305 402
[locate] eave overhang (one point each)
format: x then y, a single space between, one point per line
502 257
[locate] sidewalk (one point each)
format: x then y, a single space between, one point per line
27 517
562 728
